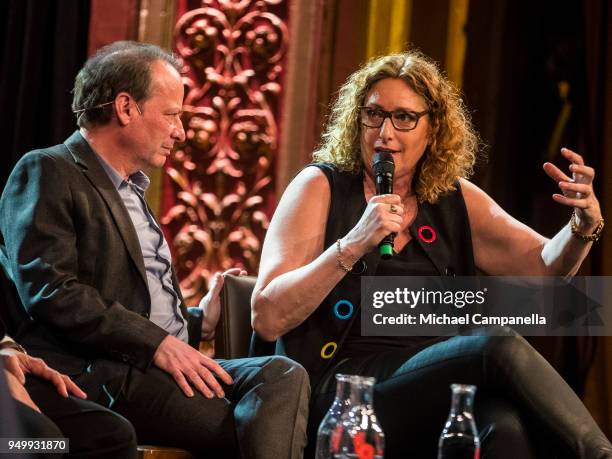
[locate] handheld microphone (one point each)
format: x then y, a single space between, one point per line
383 167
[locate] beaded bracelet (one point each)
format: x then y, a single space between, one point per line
586 237
341 263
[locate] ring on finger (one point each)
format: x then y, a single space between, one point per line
393 209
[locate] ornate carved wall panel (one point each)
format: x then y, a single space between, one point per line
218 190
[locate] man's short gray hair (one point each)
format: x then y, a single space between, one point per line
123 66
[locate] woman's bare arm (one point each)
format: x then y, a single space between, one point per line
505 246
296 274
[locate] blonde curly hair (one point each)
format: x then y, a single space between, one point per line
454 143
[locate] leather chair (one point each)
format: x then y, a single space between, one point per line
233 333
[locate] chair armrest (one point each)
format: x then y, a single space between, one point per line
233 332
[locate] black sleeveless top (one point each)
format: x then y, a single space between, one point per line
441 245
410 261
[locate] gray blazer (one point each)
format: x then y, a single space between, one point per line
74 256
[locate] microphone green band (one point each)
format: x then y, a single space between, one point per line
385 250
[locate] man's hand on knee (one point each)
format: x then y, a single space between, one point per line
20 364
188 366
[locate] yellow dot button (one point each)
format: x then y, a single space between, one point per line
328 350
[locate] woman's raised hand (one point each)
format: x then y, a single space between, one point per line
577 191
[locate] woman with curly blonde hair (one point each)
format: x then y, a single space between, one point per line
325 234
454 143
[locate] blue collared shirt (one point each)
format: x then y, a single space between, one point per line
165 310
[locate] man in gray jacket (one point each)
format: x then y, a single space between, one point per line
102 303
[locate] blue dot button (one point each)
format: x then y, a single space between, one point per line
343 309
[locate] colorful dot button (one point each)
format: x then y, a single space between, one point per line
338 308
427 234
328 350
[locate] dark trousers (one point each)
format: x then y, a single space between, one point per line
521 402
94 431
263 415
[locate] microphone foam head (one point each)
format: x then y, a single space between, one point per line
382 162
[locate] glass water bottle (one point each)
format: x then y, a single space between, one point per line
359 435
459 439
342 403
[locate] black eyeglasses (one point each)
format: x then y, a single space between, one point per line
401 120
